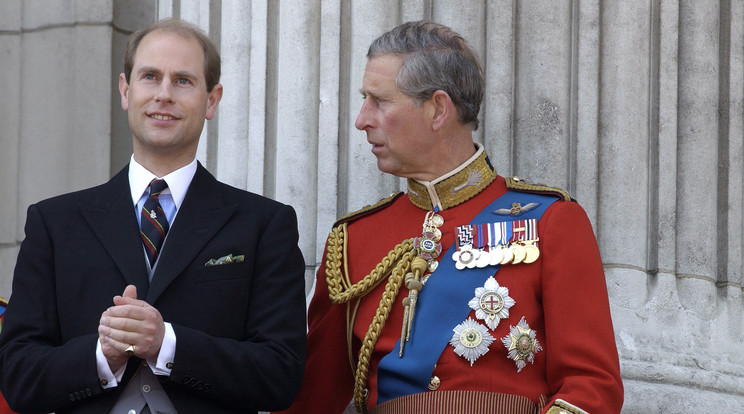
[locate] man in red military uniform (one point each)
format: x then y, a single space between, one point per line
4 409
470 293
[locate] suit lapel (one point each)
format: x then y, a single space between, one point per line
201 215
111 218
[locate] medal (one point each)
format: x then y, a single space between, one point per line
497 255
507 254
479 244
483 260
532 251
521 344
436 220
494 238
524 241
465 256
518 232
519 253
530 242
491 303
471 340
428 245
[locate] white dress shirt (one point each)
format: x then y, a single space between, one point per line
170 200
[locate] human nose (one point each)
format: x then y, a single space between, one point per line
363 118
164 93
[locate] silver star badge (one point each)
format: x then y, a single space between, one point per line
471 340
491 303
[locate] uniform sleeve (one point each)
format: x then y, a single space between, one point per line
582 363
327 386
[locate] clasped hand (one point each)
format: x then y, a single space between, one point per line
130 322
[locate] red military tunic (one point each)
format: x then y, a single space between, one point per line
562 296
4 409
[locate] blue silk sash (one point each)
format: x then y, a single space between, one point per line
442 304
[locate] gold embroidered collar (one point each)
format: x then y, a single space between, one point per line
455 187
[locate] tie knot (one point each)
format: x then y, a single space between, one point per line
157 186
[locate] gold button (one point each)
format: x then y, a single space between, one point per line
104 383
434 383
169 365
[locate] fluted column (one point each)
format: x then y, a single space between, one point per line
633 106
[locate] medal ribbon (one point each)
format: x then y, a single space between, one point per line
531 226
442 304
494 235
464 236
518 230
506 233
479 233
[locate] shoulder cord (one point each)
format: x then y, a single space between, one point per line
399 261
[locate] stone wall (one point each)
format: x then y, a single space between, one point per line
635 107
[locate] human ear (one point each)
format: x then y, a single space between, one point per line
443 109
123 89
212 100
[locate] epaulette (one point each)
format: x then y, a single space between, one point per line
367 210
520 185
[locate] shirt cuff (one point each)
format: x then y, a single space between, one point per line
164 362
106 377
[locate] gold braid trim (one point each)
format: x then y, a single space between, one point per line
340 289
410 261
366 210
399 261
378 322
518 184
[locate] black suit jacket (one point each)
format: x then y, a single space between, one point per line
240 327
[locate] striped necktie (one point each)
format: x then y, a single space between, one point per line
154 224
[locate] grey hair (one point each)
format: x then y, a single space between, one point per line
435 58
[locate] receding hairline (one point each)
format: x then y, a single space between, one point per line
185 30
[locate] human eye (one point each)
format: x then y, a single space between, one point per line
183 81
371 98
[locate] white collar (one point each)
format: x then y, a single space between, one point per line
178 181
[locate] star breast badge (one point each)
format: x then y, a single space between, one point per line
471 340
491 303
521 344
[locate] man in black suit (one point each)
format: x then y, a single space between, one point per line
212 320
